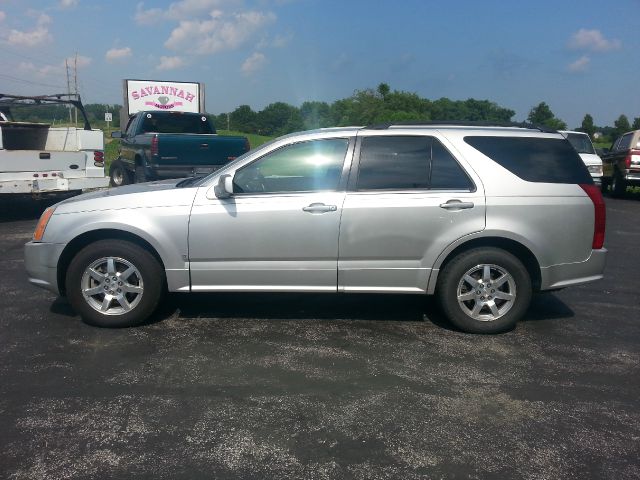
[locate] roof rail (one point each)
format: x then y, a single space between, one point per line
7 101
530 126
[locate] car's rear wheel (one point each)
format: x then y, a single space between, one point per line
114 283
118 174
484 290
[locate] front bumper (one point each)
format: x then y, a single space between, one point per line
41 263
568 274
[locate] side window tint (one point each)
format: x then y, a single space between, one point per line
302 167
408 162
394 162
625 142
446 173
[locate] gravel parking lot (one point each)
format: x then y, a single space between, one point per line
313 386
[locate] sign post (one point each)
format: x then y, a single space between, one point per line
108 117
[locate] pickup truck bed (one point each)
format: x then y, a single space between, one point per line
621 164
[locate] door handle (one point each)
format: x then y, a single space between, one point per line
456 205
319 208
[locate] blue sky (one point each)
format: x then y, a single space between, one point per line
579 57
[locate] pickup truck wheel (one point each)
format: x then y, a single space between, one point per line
618 185
141 174
118 174
484 290
114 283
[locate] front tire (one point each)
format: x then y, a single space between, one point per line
484 290
118 174
114 283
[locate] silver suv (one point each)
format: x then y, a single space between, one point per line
482 217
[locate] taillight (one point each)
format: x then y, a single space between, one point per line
600 214
154 145
627 161
98 158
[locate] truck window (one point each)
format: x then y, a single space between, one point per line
175 123
581 143
625 142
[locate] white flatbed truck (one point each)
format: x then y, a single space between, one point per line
37 159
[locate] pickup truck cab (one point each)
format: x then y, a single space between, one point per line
162 145
582 143
621 164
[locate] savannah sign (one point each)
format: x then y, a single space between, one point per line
145 95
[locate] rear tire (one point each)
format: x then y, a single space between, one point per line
141 174
118 174
484 290
618 185
114 283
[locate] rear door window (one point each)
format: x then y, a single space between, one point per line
545 160
405 162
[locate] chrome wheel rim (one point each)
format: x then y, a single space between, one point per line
486 292
118 176
112 286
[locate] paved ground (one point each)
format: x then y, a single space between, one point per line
307 386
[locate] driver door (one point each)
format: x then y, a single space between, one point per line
279 230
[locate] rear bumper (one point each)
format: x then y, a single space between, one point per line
568 274
40 261
51 184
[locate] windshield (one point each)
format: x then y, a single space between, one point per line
581 142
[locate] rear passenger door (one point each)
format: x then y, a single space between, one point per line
408 199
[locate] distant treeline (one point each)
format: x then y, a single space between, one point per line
364 107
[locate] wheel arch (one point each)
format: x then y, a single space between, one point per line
523 253
81 241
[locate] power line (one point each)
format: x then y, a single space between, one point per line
24 80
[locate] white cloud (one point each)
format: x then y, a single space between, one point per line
170 63
31 38
118 54
58 69
2 16
182 10
580 65
68 3
592 40
220 32
254 63
279 41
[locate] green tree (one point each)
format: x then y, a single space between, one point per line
383 90
244 119
587 125
316 115
279 118
636 124
541 114
621 125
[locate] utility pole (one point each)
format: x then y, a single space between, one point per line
66 66
75 84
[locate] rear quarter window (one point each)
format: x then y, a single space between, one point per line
543 160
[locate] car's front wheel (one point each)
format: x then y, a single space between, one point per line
484 290
114 283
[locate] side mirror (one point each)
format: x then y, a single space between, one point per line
117 134
224 188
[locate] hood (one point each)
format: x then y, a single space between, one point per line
590 159
141 195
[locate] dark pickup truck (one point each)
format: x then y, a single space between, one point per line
621 164
159 145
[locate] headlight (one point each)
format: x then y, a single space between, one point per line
597 169
42 224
